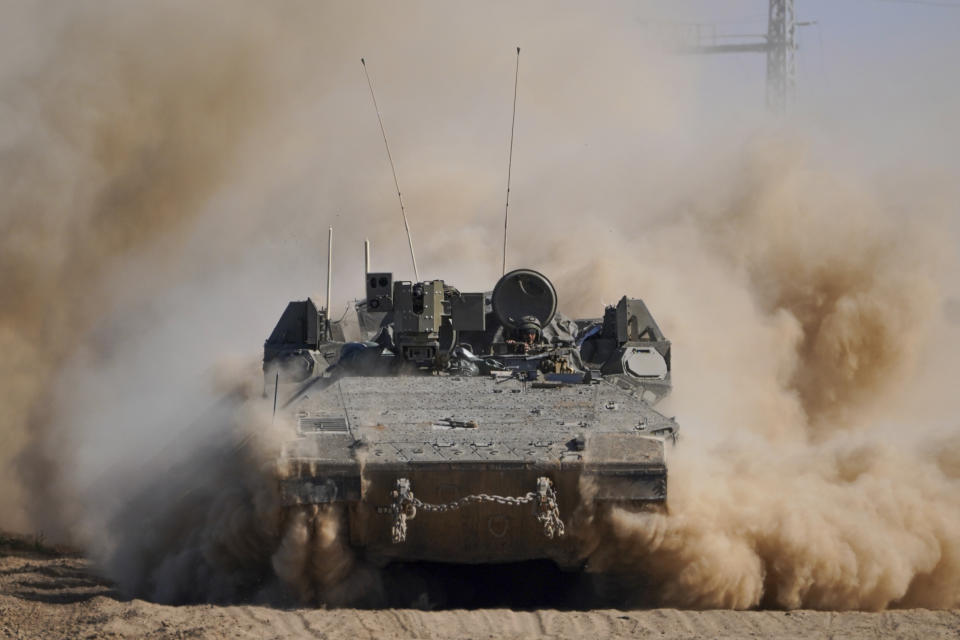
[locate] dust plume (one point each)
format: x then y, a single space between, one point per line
113 143
834 498
858 282
167 176
852 525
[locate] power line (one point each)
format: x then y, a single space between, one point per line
928 3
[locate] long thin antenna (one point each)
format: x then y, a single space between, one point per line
513 122
326 329
396 182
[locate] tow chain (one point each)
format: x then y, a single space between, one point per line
405 506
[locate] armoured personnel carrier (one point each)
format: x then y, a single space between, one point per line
470 427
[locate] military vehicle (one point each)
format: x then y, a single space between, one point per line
467 427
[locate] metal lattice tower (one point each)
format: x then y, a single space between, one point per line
781 55
779 43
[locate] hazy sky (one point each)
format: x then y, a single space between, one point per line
864 65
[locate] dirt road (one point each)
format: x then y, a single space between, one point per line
49 595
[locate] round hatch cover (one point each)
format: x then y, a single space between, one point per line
524 292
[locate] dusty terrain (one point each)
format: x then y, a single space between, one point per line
49 594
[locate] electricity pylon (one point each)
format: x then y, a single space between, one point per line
780 45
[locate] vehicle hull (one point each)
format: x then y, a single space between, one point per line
593 442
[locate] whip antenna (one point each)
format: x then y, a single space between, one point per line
513 122
396 183
326 327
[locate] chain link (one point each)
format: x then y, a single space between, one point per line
405 506
478 497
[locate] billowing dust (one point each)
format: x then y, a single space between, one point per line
820 492
813 469
107 153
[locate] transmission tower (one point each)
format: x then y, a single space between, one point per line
779 43
781 55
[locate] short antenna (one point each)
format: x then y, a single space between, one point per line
276 390
513 122
396 182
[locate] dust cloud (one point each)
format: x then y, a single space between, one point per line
817 493
113 141
168 175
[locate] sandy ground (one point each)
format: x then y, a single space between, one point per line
57 595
